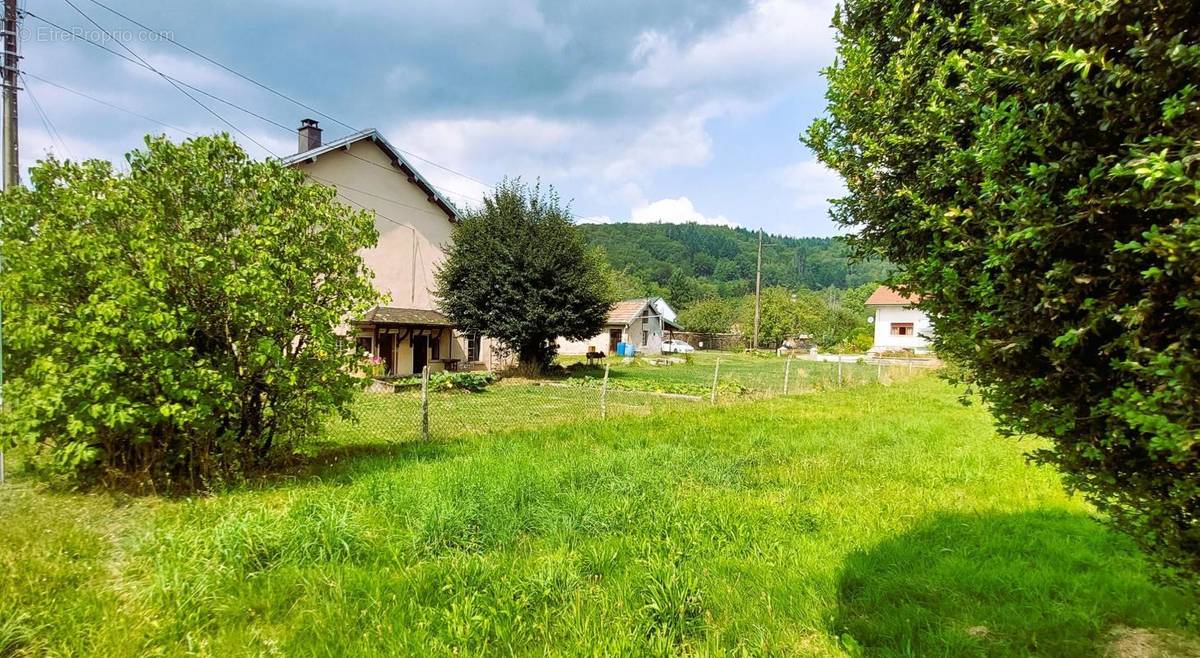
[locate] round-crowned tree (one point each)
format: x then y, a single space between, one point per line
175 322
1033 169
518 271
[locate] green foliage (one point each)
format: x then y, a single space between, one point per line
708 316
518 271
1033 169
461 381
828 316
176 321
690 262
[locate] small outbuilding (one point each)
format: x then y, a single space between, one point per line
645 322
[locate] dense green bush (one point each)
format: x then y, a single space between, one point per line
461 381
177 321
1033 169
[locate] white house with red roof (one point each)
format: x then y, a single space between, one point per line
899 325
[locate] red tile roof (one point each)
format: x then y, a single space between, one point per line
624 312
885 296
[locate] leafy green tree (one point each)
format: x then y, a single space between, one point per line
177 321
778 320
824 316
1033 169
517 270
708 316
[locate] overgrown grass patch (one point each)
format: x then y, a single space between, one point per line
887 520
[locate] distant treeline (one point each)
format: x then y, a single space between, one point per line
688 262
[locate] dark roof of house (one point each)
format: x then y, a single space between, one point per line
410 316
885 296
398 161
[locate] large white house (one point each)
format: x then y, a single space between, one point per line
406 330
646 322
898 324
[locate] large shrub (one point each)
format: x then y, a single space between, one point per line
1033 168
176 321
518 271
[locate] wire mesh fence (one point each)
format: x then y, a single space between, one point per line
434 408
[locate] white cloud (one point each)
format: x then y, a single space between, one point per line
812 184
675 211
610 160
759 51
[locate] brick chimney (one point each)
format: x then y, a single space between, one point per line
310 135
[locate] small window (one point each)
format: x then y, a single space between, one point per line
902 328
645 338
364 344
435 348
473 344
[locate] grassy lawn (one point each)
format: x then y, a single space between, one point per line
763 373
885 520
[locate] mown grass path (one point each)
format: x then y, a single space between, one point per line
886 520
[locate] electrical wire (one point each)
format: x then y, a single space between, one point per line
101 101
175 81
168 78
51 131
167 37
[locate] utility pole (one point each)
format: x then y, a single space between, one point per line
757 292
12 167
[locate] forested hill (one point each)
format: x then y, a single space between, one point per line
685 262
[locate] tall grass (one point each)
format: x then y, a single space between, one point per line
888 520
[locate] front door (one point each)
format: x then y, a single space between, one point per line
614 337
386 341
420 353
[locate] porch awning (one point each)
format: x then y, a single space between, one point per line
416 317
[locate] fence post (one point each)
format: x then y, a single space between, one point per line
1 466
716 373
425 403
787 372
879 370
839 370
604 394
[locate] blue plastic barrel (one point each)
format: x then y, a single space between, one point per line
621 348
630 349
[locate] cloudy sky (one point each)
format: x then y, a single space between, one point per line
672 110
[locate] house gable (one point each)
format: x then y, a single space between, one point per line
393 159
413 231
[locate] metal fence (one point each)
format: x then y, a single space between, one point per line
584 393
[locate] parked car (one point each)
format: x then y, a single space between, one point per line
676 347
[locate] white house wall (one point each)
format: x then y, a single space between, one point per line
885 316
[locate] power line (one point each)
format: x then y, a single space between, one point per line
166 36
106 103
51 131
168 78
324 180
162 123
180 83
214 62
